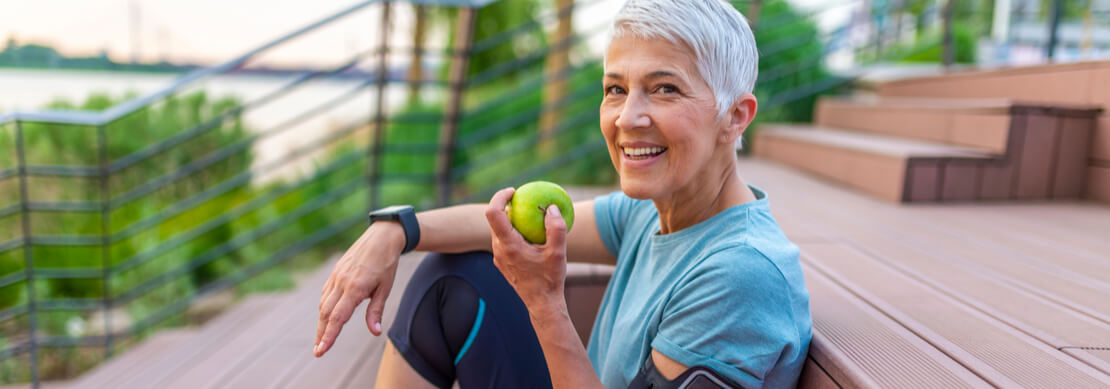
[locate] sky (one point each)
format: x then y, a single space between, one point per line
212 31
206 31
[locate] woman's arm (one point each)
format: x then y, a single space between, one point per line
369 266
583 240
537 274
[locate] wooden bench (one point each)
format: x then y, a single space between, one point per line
925 150
1069 83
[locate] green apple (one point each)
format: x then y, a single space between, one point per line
529 206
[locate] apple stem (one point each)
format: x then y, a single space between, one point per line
541 209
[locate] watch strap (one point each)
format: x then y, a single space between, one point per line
408 221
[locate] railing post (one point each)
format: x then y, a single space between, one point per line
105 237
949 53
460 61
753 14
28 248
556 63
377 145
416 68
1054 28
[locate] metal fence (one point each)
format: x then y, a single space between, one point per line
128 230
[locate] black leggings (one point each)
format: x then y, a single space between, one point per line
460 320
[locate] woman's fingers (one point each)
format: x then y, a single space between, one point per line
556 229
327 305
335 322
375 308
495 214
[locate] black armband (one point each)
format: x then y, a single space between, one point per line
697 377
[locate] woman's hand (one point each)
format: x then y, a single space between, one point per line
366 270
536 272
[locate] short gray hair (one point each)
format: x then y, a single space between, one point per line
722 42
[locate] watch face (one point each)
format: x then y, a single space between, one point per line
390 210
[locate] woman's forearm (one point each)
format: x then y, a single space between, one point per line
456 229
567 360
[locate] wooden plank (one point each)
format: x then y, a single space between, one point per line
923 178
1066 227
220 363
993 350
987 132
1077 290
1072 149
1001 296
813 377
880 175
1101 353
861 347
1035 163
354 360
214 332
871 143
1098 184
132 360
1068 83
267 369
1100 78
961 180
218 360
997 181
1100 141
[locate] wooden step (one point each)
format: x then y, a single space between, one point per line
1045 155
1078 82
1081 83
893 169
133 359
982 124
1047 144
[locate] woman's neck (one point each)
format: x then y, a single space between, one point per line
720 188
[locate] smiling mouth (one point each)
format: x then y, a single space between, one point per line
641 153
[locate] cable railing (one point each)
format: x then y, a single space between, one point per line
133 236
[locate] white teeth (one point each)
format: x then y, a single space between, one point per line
638 151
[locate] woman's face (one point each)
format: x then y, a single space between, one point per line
658 116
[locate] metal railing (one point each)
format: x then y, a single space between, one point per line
158 230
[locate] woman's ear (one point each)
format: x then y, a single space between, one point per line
739 116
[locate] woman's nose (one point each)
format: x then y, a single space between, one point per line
634 114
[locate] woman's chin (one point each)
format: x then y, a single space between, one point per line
637 189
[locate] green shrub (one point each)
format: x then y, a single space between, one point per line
930 48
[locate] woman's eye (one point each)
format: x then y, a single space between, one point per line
613 89
666 89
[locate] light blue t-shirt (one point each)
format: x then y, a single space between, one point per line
726 293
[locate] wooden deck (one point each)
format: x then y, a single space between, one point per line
963 295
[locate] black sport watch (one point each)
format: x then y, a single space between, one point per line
407 217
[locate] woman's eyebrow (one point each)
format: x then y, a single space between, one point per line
661 74
651 76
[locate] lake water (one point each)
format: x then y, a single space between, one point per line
30 90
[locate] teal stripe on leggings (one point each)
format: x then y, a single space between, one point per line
473 330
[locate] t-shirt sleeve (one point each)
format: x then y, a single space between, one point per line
612 212
731 314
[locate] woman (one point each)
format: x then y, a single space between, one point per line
706 286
